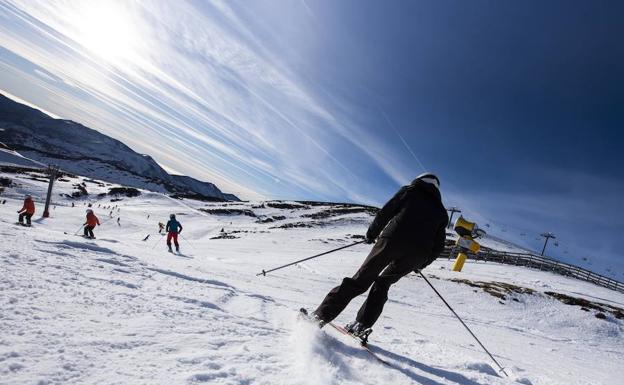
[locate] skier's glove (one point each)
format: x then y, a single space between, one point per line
369 240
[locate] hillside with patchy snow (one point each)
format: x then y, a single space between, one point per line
120 310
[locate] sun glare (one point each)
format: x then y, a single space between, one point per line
106 29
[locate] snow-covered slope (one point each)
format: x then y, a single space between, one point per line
12 158
119 310
84 151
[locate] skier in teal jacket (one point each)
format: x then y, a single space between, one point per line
173 228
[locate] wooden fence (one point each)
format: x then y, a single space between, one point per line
540 263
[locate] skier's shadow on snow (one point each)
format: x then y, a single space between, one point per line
451 376
358 352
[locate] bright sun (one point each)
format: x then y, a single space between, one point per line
106 29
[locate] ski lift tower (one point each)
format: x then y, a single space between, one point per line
452 210
52 171
547 236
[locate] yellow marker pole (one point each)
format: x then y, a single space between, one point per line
459 262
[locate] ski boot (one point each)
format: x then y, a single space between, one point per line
303 314
177 249
360 331
170 250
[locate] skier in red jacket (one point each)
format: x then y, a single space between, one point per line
90 224
27 211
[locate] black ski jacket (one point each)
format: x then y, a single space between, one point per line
415 220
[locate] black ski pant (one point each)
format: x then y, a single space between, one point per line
88 231
384 266
25 215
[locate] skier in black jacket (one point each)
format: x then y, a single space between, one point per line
410 231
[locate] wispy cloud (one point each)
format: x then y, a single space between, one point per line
197 89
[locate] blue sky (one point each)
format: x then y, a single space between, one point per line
518 106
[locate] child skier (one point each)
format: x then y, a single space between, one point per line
27 211
173 228
90 224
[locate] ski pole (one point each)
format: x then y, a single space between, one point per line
185 240
264 272
158 241
462 322
81 226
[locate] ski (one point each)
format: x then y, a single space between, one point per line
80 236
304 314
362 345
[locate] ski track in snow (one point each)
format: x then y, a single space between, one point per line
117 310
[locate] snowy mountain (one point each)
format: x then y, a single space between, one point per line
120 310
12 158
84 151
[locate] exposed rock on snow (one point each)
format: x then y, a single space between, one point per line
229 211
585 304
125 191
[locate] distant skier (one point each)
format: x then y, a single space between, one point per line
27 211
410 233
173 228
90 224
161 227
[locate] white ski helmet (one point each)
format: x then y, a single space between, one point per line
89 211
28 196
428 177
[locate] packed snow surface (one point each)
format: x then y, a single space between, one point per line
120 310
